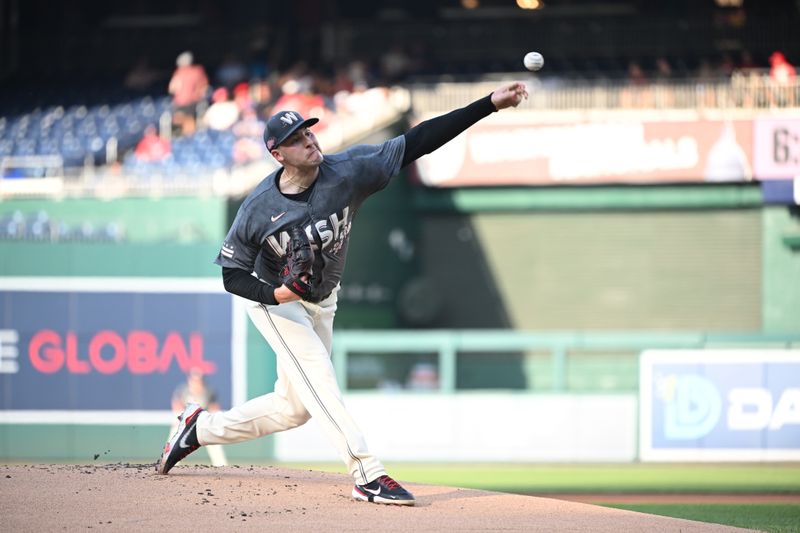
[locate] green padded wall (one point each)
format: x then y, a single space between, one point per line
631 270
162 237
782 270
670 269
172 219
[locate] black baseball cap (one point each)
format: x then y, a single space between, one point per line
281 125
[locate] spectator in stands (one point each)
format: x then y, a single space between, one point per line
196 390
152 147
781 71
783 77
188 87
705 71
263 97
248 146
297 94
249 125
746 61
663 69
359 75
663 74
242 97
222 113
636 75
727 65
423 376
708 74
341 80
637 93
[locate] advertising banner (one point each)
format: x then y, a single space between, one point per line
776 148
517 150
719 405
111 344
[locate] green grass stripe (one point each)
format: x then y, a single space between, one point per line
774 518
653 478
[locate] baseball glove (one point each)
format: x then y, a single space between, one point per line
296 273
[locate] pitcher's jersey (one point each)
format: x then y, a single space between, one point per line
257 239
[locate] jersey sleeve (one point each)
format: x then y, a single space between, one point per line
240 247
376 164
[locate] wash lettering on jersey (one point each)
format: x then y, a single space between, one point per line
333 232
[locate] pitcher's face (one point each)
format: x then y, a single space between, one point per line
300 149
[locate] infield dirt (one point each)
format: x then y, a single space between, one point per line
132 497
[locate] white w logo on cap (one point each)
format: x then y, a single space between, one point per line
289 118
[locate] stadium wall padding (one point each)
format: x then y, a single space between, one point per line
114 443
728 267
627 270
109 259
166 219
781 270
485 427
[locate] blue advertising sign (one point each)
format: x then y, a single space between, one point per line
723 405
102 346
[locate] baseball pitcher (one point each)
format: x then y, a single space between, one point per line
285 253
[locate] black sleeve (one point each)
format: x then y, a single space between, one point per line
429 135
241 283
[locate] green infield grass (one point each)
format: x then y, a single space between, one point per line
774 518
706 478
609 478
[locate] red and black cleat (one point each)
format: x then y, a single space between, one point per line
383 490
183 442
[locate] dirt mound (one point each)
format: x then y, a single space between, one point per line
132 497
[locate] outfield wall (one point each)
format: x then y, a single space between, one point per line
565 263
481 427
399 427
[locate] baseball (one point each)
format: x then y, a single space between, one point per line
533 61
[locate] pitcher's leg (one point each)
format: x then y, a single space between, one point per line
307 363
277 411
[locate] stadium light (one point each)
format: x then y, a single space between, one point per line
530 4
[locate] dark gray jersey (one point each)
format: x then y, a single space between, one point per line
257 239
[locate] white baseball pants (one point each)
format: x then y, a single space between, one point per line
300 333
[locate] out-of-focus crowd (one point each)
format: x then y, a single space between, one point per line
240 99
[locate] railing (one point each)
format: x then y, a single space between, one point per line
448 344
39 166
746 91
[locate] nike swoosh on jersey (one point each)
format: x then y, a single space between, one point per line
276 217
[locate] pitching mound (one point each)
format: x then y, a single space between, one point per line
123 497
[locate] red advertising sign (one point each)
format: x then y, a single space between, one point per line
508 151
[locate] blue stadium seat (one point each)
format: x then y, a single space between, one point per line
6 147
83 120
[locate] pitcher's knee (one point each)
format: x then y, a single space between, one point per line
298 418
